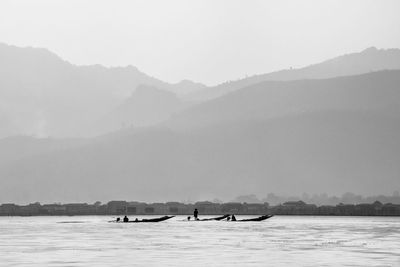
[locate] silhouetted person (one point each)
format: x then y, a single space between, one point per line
195 214
118 219
233 219
126 219
228 218
188 218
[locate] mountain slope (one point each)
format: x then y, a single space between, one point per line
45 95
333 135
369 60
332 152
20 147
372 91
329 135
146 106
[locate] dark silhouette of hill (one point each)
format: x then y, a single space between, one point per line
368 60
46 96
327 151
334 135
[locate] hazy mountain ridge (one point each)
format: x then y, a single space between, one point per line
46 96
43 95
332 146
324 151
316 135
368 60
270 99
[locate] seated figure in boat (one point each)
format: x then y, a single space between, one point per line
126 219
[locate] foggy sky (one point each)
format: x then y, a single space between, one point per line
206 41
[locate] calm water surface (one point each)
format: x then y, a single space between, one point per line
279 241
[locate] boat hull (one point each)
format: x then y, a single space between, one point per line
258 219
160 219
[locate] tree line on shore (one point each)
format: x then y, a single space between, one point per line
321 199
205 207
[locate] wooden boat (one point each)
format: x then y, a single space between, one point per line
219 218
215 218
258 219
159 219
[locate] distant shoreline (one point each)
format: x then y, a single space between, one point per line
118 208
120 215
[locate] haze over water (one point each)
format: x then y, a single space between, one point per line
279 241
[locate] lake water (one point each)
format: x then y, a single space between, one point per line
279 241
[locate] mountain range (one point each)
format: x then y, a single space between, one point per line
44 95
290 132
368 60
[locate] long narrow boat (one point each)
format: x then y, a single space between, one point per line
258 219
160 219
215 218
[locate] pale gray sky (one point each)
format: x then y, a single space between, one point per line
209 41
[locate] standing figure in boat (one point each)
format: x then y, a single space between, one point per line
196 214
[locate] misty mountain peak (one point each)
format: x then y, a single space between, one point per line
132 68
371 49
38 56
187 87
189 82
